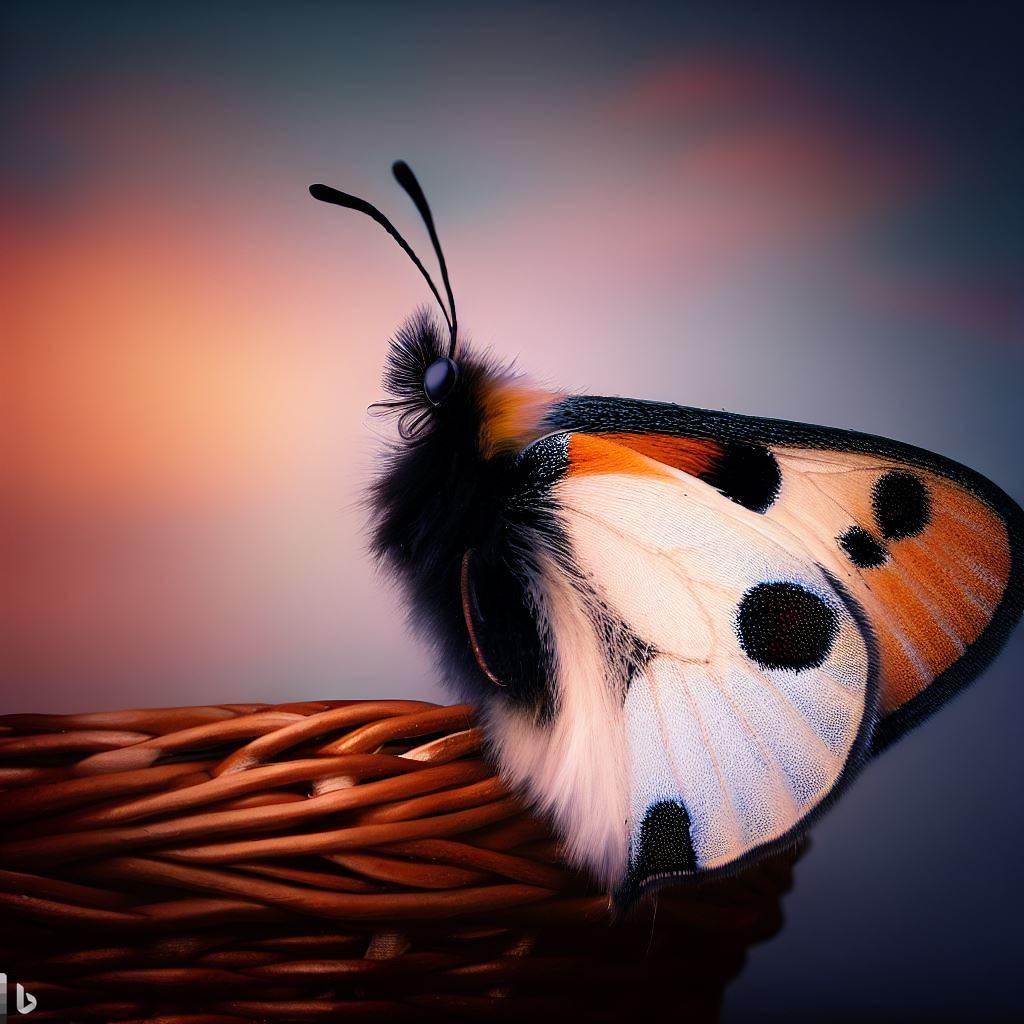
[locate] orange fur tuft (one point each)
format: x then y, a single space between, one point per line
513 413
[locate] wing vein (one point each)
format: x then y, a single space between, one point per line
699 718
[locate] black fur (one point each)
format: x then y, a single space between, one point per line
437 497
416 344
513 641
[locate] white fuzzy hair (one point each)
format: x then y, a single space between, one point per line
572 766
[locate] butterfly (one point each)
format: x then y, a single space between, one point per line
685 631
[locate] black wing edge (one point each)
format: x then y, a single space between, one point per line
633 888
595 414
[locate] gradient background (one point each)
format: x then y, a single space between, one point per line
807 211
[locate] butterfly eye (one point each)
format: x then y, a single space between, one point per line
439 379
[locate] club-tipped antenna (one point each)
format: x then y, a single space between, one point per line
404 176
326 194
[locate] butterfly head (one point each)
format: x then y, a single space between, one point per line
462 420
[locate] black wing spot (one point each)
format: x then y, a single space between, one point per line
665 844
663 849
783 625
901 504
747 474
862 548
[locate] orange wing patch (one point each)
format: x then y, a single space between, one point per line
932 571
591 454
689 454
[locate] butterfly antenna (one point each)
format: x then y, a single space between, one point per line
404 176
326 194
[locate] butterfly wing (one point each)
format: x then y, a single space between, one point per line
682 564
932 551
700 647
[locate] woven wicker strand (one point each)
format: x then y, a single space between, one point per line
323 860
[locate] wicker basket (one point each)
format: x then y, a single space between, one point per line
323 861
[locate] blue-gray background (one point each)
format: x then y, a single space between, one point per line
804 210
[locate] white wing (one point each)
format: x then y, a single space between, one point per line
751 682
